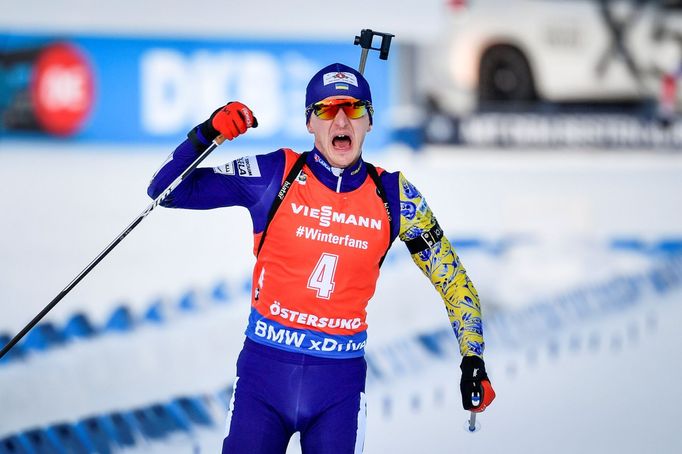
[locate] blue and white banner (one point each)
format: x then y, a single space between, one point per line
152 91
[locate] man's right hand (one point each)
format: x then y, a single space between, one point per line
228 121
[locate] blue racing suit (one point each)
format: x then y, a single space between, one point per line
284 388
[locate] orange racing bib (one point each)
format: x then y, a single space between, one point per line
318 268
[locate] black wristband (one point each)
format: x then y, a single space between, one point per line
206 128
206 131
193 137
426 240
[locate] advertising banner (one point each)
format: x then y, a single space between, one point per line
152 91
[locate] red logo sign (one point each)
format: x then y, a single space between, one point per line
62 89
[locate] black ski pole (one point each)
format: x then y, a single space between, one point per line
472 422
111 246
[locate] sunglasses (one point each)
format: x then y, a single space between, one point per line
353 108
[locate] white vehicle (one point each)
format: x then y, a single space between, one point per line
554 50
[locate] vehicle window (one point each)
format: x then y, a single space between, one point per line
672 4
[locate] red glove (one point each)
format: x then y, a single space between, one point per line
229 121
477 392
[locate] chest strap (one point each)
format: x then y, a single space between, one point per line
374 175
286 185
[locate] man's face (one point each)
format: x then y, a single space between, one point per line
340 138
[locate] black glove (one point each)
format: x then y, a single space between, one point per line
477 392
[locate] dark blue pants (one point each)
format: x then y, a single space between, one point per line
278 393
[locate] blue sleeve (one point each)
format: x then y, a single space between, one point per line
251 182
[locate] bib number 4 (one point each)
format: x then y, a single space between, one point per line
322 278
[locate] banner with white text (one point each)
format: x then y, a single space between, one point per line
152 91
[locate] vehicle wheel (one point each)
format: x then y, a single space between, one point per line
505 76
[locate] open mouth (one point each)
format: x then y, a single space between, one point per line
342 142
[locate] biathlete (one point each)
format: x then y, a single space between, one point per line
323 221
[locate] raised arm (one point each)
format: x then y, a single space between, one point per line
235 183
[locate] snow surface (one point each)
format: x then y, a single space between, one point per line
607 382
602 382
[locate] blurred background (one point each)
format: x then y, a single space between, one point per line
546 136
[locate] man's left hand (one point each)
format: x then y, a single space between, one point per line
477 392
